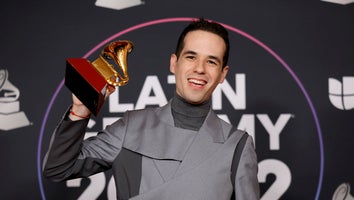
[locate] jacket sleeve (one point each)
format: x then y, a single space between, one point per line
70 156
246 181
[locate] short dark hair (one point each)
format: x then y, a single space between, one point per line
209 26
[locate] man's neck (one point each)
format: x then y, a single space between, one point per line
187 115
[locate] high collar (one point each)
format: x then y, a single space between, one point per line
212 124
183 107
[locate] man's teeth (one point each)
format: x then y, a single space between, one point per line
198 82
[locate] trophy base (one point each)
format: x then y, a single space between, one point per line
85 82
13 121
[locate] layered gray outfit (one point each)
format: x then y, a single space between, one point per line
152 159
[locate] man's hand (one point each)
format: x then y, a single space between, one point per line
80 111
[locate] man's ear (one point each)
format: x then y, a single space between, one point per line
173 61
223 74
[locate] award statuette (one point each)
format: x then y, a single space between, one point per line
88 81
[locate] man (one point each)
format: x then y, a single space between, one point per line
179 151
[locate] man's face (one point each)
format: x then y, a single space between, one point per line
198 70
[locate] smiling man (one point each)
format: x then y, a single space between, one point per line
199 67
179 151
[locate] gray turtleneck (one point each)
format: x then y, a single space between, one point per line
189 116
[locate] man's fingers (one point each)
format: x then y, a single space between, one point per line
110 89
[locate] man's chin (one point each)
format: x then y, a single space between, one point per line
195 100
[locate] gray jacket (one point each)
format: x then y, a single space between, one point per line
151 159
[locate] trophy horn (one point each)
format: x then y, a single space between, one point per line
343 192
116 51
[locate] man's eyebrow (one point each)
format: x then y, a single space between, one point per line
190 52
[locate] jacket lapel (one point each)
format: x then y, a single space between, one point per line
157 138
152 134
207 141
190 176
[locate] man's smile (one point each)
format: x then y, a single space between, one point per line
199 82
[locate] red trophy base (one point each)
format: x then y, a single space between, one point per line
83 80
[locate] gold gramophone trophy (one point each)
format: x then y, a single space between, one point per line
88 81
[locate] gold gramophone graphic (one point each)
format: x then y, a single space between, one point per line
89 81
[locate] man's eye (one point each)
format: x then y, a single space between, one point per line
212 62
190 57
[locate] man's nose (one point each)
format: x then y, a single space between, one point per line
199 67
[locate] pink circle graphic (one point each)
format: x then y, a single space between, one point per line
181 19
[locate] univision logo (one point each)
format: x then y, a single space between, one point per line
341 94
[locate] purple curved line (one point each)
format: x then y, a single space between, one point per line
39 150
168 20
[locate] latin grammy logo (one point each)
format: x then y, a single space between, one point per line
119 4
343 192
10 115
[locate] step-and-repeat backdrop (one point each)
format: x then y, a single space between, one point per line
291 85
